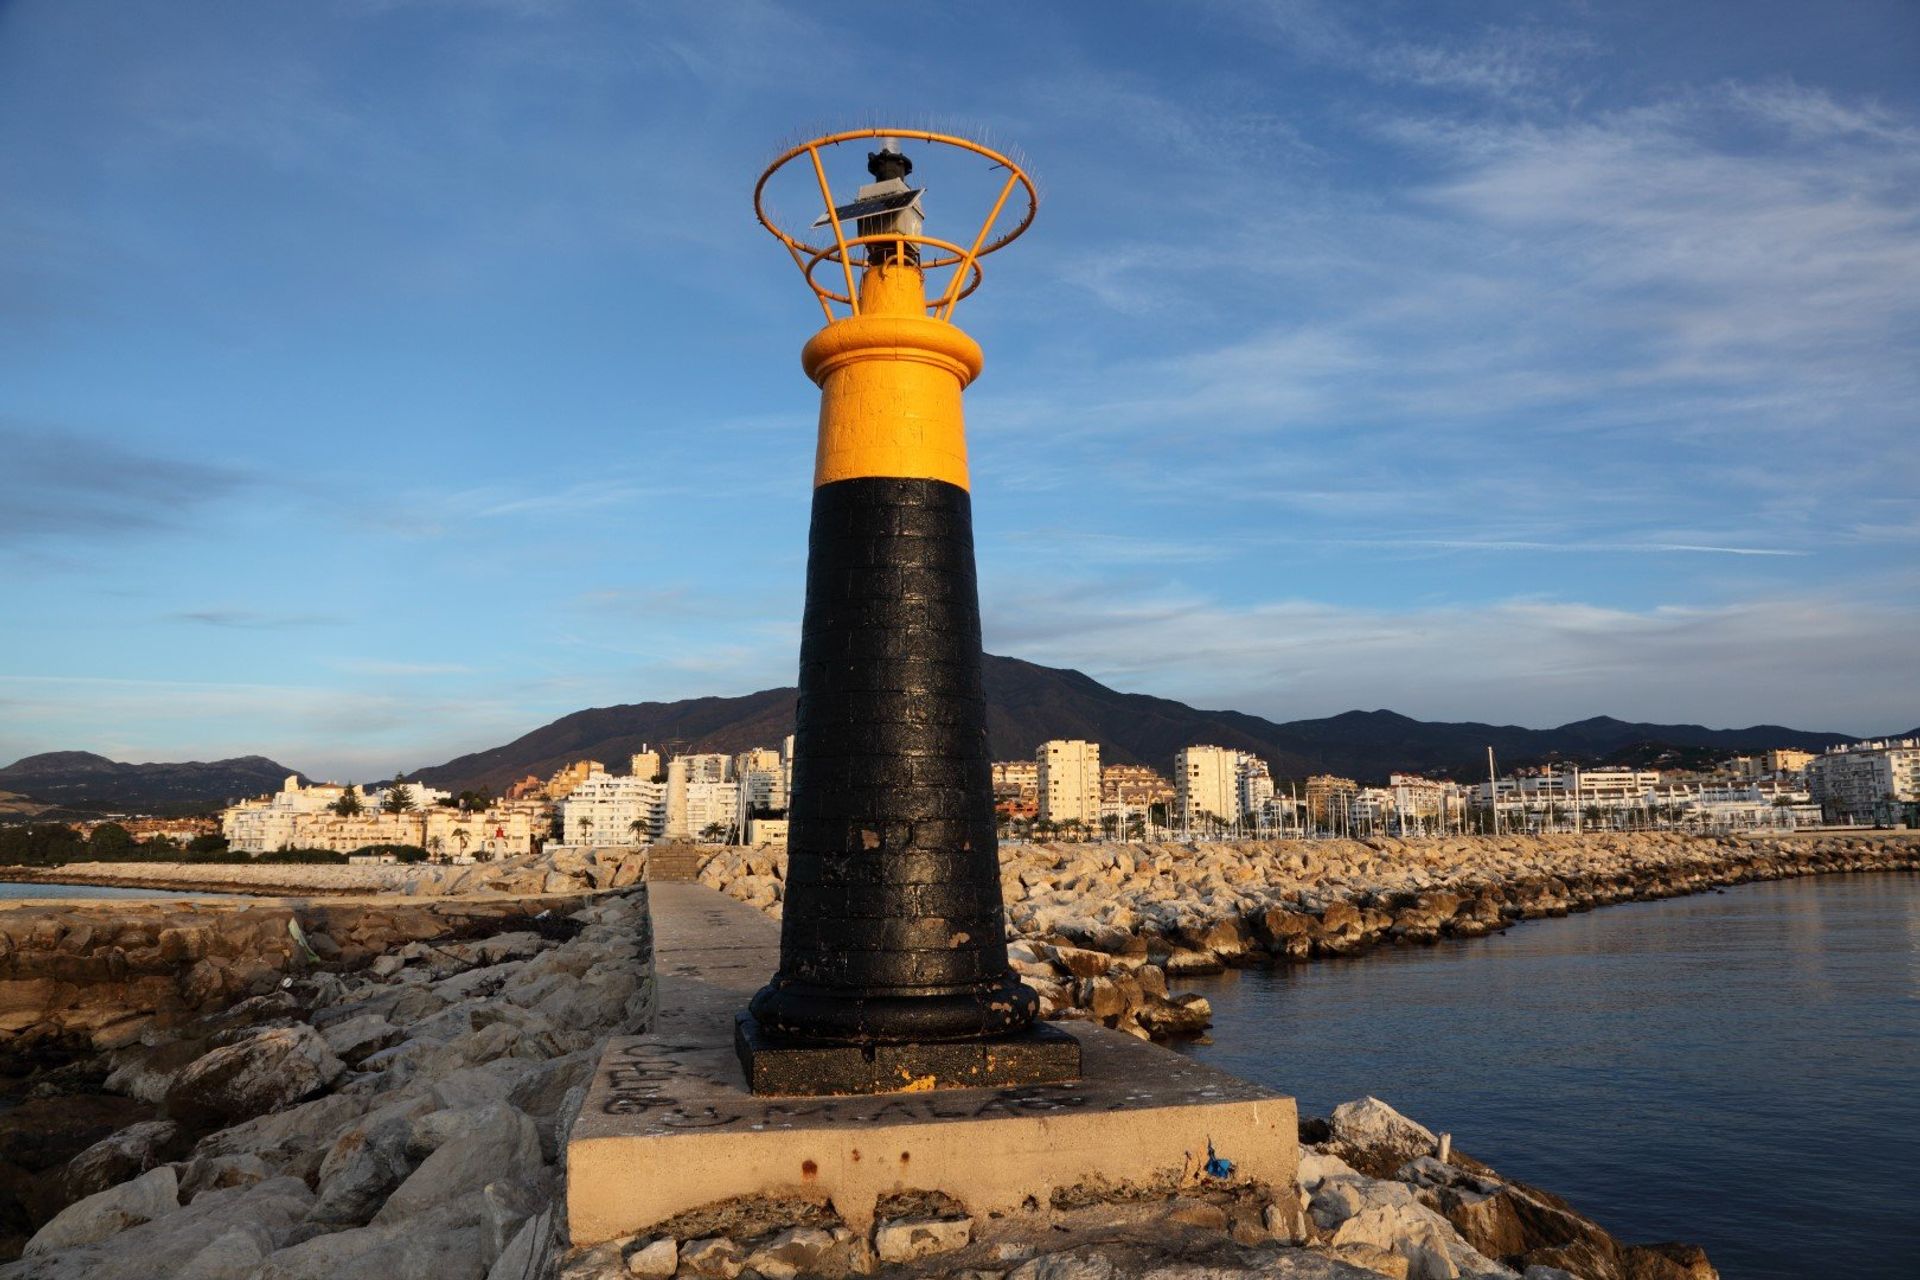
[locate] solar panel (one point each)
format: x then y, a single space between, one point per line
873 206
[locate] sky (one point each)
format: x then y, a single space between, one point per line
380 379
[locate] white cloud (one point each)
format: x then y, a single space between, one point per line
1809 661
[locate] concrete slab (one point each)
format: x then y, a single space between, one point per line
668 1125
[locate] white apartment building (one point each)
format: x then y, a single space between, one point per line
1371 811
1068 781
1206 781
762 777
267 824
502 831
1426 804
1609 789
706 805
1867 782
1255 784
610 810
297 817
1737 805
696 775
767 833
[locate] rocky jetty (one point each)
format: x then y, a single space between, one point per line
1378 1195
1099 930
567 870
101 974
396 1115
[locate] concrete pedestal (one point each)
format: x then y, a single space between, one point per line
1042 1054
669 1125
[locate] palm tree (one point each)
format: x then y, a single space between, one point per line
634 829
461 838
586 830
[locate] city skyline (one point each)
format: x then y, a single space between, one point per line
370 399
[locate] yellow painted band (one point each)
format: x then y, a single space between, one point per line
890 387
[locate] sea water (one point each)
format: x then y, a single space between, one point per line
1739 1069
12 889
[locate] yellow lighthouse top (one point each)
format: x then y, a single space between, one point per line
887 224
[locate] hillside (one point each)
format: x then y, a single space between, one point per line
82 782
1028 704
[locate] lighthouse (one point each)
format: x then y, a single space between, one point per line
893 966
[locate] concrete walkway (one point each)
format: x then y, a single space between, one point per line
668 1125
711 953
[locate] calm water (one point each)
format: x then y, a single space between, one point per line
10 889
1741 1070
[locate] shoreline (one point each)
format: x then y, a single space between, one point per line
564 872
1099 930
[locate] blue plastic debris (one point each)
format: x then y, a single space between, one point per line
1217 1166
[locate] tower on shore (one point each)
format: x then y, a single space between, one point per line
893 962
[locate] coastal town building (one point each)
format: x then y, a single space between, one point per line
1426 806
562 783
179 830
1016 788
500 831
1329 800
1206 783
1785 761
645 763
767 833
1863 783
762 775
700 794
1137 786
314 817
1068 781
607 809
1255 784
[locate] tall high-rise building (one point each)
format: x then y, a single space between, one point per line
1068 781
644 764
762 777
1255 784
1206 784
690 783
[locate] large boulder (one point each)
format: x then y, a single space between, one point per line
445 1244
113 1160
498 1145
1375 1139
262 1073
151 1195
267 1213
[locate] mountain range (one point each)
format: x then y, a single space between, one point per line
82 782
1026 705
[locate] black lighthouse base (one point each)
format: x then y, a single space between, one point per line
778 1067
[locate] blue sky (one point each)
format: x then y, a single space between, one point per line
379 380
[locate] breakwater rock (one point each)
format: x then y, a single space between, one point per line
1106 927
92 974
568 870
402 1118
